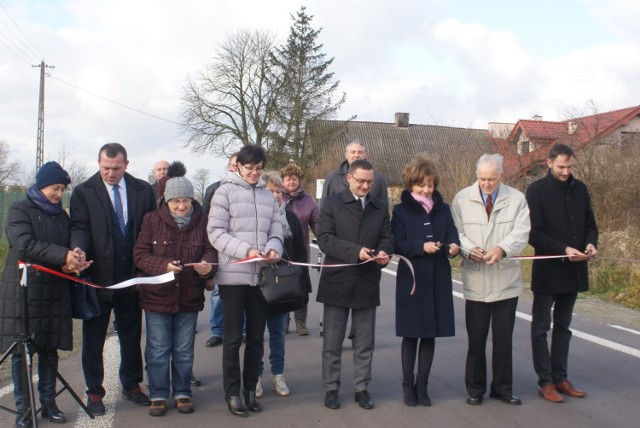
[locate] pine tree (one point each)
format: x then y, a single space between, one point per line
300 75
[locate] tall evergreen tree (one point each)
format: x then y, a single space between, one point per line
299 74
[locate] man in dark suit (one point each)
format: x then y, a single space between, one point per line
159 171
353 227
106 215
562 222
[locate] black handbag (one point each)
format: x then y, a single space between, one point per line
283 287
84 301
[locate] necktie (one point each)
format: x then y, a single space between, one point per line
489 206
117 204
362 202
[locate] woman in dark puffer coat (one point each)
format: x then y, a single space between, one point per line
38 233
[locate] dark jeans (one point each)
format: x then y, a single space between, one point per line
501 316
236 301
551 367
94 331
46 375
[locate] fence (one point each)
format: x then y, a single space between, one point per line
9 197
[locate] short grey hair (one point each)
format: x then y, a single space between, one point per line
272 177
490 160
358 142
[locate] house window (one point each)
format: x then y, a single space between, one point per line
628 138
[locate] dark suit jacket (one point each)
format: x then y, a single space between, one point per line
343 229
92 220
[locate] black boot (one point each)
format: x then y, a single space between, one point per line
235 406
421 390
409 391
251 402
51 412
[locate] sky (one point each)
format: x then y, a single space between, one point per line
461 63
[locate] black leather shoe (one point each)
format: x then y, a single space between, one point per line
363 399
95 405
474 399
54 414
213 341
506 398
137 396
332 399
235 406
195 381
251 402
23 422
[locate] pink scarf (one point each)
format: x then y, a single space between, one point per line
427 203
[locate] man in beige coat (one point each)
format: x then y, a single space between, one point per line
493 223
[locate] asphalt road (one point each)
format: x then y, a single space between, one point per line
604 361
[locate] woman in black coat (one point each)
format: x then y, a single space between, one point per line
425 233
38 233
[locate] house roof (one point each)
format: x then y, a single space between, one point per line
588 127
389 147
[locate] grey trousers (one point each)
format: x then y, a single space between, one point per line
335 323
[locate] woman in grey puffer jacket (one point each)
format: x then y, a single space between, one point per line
243 222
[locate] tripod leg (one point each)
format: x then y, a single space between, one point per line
64 382
27 379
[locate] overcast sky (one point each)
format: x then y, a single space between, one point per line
460 63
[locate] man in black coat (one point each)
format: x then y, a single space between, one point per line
562 222
106 215
353 227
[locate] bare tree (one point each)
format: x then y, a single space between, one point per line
231 102
9 170
200 181
77 172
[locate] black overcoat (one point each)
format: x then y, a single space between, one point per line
343 229
429 312
42 238
91 222
561 217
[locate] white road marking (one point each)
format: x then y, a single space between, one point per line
629 330
111 361
577 333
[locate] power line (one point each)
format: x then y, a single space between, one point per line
41 55
113 102
15 49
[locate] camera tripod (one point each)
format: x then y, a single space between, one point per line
25 344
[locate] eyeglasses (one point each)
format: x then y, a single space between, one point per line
253 168
361 181
176 202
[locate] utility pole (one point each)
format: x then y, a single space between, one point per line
40 147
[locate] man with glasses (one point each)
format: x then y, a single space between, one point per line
353 228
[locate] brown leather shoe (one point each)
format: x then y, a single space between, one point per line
550 393
567 388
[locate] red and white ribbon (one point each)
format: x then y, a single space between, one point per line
159 279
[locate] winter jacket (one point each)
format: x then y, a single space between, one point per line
507 227
561 217
343 229
305 208
336 182
429 312
160 242
242 217
37 237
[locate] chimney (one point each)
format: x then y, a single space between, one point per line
402 120
571 127
537 117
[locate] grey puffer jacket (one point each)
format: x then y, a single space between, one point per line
242 217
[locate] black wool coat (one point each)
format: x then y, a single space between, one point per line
37 237
429 312
92 219
343 229
561 217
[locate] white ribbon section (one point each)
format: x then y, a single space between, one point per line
160 279
23 277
